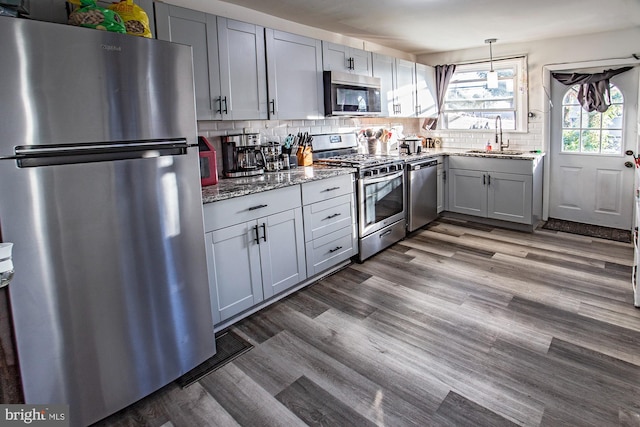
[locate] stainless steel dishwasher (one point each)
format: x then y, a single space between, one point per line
422 196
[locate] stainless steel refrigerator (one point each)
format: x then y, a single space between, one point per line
100 194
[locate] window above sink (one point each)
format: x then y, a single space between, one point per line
470 105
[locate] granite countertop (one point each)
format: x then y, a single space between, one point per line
227 188
431 152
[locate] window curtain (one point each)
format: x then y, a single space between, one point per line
443 77
593 94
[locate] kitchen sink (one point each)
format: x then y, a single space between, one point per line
497 152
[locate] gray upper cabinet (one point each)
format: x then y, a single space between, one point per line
229 62
405 88
294 65
196 29
426 91
384 67
398 85
346 59
243 73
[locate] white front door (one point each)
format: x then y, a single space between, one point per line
589 182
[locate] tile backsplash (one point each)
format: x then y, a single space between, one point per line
277 130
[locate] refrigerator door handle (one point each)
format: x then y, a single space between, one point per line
34 156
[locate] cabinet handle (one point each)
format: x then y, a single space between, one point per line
336 249
386 233
484 179
351 65
488 179
264 231
219 102
331 189
226 111
333 216
253 208
255 228
418 109
273 106
444 175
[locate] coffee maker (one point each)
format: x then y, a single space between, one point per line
242 156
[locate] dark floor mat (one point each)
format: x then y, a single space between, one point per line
228 346
588 230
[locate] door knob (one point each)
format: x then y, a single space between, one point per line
628 164
629 152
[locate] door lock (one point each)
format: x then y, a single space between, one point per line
628 164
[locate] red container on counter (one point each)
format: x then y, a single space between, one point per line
208 166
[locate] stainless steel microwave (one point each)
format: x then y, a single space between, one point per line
351 95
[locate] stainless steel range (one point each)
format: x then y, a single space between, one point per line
380 188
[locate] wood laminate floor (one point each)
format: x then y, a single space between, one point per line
460 324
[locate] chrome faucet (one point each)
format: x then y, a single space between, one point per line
499 142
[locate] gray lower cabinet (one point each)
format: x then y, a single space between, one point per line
255 249
500 189
441 187
329 222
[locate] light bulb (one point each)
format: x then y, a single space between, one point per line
492 79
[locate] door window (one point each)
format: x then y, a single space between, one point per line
592 132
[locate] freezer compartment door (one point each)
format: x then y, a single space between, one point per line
65 84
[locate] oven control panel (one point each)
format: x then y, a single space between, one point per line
382 170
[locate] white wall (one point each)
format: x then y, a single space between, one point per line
593 47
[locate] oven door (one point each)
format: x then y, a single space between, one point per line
381 201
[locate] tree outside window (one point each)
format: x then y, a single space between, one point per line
592 132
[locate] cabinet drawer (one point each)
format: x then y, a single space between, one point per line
327 251
246 208
317 191
326 217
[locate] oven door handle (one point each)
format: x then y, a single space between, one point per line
382 179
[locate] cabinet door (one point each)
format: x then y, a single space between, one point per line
336 57
426 90
440 188
467 192
282 255
234 269
405 88
384 67
509 197
243 74
294 66
361 62
197 30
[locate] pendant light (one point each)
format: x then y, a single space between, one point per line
492 75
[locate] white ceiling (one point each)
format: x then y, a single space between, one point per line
429 26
